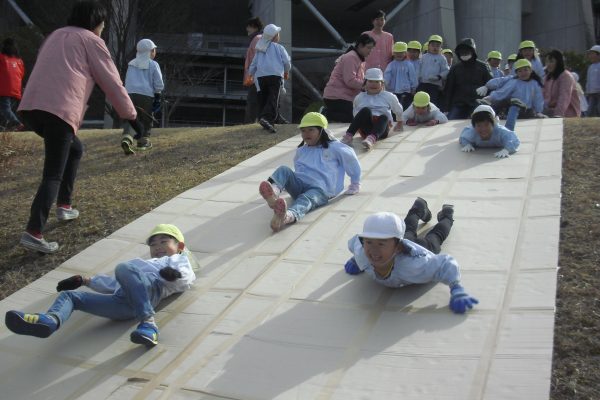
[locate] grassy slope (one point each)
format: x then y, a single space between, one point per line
113 190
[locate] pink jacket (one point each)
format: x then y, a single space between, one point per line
560 95
68 64
347 78
381 55
250 53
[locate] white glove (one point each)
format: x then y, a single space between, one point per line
540 115
501 154
354 188
481 91
468 148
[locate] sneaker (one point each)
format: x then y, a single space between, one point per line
447 211
281 215
483 102
420 208
369 142
32 243
269 192
267 125
146 334
144 145
65 214
347 139
281 121
38 325
518 103
127 145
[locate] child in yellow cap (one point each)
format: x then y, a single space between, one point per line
133 292
423 111
400 75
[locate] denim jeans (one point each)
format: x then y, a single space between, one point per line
136 298
306 197
6 111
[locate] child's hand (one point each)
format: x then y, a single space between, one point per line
354 188
481 91
467 148
501 154
71 283
169 274
411 122
460 301
432 122
351 267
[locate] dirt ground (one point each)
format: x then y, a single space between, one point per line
113 190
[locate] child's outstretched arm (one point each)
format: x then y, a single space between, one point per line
460 301
351 166
446 271
466 140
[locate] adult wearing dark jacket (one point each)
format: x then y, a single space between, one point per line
463 79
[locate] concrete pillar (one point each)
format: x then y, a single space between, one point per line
495 25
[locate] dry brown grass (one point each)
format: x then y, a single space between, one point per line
113 190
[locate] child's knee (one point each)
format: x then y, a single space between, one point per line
123 269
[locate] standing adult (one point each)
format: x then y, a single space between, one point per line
346 80
254 27
382 54
70 62
560 89
12 71
463 80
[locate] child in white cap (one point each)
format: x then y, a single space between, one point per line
373 110
269 66
423 111
135 290
320 165
389 251
486 132
144 84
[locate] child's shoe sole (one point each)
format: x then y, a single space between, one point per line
266 191
26 324
279 210
138 338
127 147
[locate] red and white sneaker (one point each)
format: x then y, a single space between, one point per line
281 215
369 142
269 192
347 139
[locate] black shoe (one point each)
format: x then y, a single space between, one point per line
281 121
144 145
267 125
420 208
447 211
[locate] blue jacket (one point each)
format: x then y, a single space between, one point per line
501 137
400 77
273 62
433 69
144 81
529 92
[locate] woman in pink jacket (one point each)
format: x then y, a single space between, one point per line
346 80
560 88
71 60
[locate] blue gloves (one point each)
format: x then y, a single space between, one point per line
156 103
460 301
351 267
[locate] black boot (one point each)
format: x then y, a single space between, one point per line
420 208
447 211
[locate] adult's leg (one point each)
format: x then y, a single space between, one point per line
307 201
58 140
363 120
406 100
456 112
337 110
65 190
251 105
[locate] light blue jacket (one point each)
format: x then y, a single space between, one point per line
416 64
497 72
326 168
496 83
592 84
275 61
144 81
433 69
529 92
400 77
382 103
536 66
416 265
501 137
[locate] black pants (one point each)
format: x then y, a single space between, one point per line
268 97
434 92
363 120
251 111
433 240
338 110
143 107
406 100
63 150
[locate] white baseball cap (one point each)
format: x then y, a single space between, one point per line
484 108
145 45
595 48
374 74
383 225
270 31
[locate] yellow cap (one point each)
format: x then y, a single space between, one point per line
414 44
421 99
495 54
526 44
512 57
447 51
399 47
435 38
166 229
425 46
522 63
313 119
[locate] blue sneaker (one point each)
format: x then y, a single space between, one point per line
38 325
146 334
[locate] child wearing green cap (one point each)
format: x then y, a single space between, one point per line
133 293
400 75
423 111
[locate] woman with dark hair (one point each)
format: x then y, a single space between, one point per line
346 80
560 88
70 62
12 70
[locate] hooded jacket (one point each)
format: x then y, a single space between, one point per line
465 77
